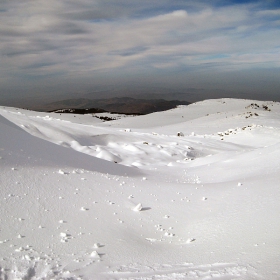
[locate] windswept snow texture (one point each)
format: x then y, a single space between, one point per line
190 193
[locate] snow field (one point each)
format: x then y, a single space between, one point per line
172 207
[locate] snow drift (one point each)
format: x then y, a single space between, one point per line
133 199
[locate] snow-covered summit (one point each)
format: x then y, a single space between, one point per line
203 181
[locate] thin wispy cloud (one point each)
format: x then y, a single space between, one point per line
66 38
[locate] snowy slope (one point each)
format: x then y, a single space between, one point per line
129 199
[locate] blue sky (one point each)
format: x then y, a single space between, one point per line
63 48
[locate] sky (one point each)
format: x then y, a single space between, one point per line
59 49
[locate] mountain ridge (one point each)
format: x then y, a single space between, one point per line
125 105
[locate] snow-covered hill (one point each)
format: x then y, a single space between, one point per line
189 193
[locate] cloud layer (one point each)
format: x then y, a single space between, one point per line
68 39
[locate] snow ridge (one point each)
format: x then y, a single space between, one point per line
190 193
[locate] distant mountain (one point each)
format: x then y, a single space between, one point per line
125 105
80 111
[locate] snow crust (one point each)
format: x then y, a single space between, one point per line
189 193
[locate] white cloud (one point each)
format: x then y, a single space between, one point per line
269 13
78 36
